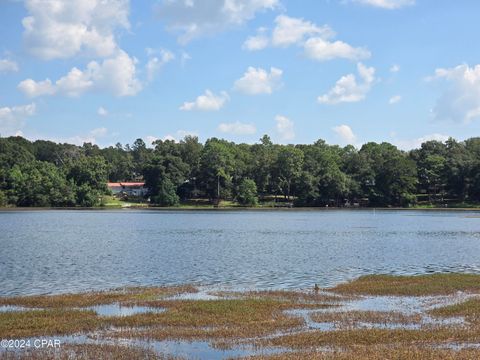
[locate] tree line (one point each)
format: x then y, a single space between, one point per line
44 173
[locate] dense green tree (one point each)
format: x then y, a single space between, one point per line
217 165
395 175
263 157
162 174
91 171
166 194
120 163
247 193
287 168
39 184
431 167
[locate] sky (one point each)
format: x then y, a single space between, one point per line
346 71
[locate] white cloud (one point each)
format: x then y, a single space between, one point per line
155 63
33 88
92 137
75 83
179 135
395 99
185 57
257 42
116 75
150 139
410 144
207 102
316 40
99 132
12 119
62 29
237 128
285 127
320 49
345 134
169 138
460 101
348 89
395 68
289 31
195 18
259 81
7 65
102 111
387 4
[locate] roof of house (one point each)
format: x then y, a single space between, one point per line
125 184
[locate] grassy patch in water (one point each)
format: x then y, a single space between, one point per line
129 295
378 353
371 337
357 318
418 285
304 297
470 309
15 325
89 352
211 319
258 319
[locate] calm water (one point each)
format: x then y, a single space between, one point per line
63 251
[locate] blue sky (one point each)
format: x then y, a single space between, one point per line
347 71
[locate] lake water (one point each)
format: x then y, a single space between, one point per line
69 251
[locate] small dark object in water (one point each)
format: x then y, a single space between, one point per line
316 288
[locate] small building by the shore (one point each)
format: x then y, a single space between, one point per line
128 188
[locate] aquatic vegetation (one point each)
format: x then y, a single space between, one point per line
15 325
370 337
378 353
470 309
89 352
418 285
357 318
128 295
227 318
373 317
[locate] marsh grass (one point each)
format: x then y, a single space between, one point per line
372 337
125 296
469 309
257 318
228 318
15 325
356 318
297 297
419 285
89 352
378 353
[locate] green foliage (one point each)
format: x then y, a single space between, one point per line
39 184
287 168
3 198
87 196
166 194
216 167
247 193
91 171
43 173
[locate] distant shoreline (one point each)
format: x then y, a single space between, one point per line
233 209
